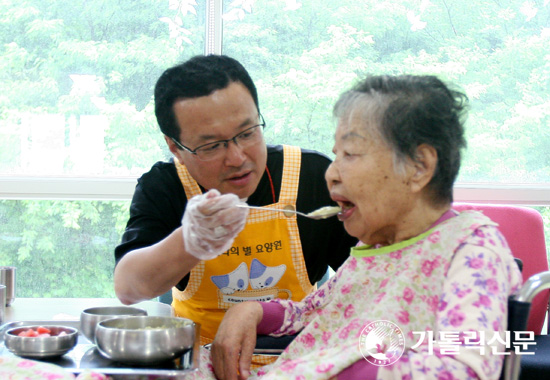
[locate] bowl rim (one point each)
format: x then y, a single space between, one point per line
90 310
10 332
151 317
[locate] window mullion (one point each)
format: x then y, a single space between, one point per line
214 26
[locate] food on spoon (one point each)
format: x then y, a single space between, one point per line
327 210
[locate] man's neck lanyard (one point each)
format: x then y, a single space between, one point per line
271 183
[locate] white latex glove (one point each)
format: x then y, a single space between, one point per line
211 222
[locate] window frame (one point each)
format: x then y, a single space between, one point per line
122 188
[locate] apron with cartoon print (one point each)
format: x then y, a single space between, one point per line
265 261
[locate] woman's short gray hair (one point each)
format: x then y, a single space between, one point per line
408 111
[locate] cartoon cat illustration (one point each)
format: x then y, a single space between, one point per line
234 281
262 276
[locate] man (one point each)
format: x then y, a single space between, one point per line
220 254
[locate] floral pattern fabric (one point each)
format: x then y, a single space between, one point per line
14 368
452 281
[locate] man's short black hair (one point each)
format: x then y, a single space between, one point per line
199 76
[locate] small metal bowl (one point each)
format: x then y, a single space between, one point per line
145 340
41 347
89 318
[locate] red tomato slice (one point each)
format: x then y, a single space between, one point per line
43 330
33 333
28 333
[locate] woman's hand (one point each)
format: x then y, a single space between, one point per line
235 340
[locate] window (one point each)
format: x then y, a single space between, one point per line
77 124
77 128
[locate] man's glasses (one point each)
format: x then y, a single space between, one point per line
217 149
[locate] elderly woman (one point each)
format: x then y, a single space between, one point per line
425 296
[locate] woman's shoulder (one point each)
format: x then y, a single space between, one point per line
484 237
465 224
475 217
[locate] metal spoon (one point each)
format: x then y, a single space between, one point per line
322 213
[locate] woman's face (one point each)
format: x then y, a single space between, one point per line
362 180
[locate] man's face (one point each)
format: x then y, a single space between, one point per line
221 116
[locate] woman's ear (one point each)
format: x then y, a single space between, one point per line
424 165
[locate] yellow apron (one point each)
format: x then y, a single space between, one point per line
265 261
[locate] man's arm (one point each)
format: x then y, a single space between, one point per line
148 272
209 226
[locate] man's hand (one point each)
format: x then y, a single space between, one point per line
235 340
211 222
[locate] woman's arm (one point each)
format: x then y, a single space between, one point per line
235 340
298 314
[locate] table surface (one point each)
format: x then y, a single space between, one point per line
45 309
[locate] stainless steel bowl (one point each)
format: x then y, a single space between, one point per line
145 340
41 347
89 318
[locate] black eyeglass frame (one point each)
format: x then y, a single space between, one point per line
225 142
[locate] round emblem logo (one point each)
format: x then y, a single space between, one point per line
382 343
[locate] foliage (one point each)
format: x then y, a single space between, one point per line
301 54
61 248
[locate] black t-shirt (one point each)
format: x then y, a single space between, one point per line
159 202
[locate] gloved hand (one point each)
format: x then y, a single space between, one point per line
211 222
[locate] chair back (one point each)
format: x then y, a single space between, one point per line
523 229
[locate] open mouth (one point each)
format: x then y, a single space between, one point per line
346 205
347 209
